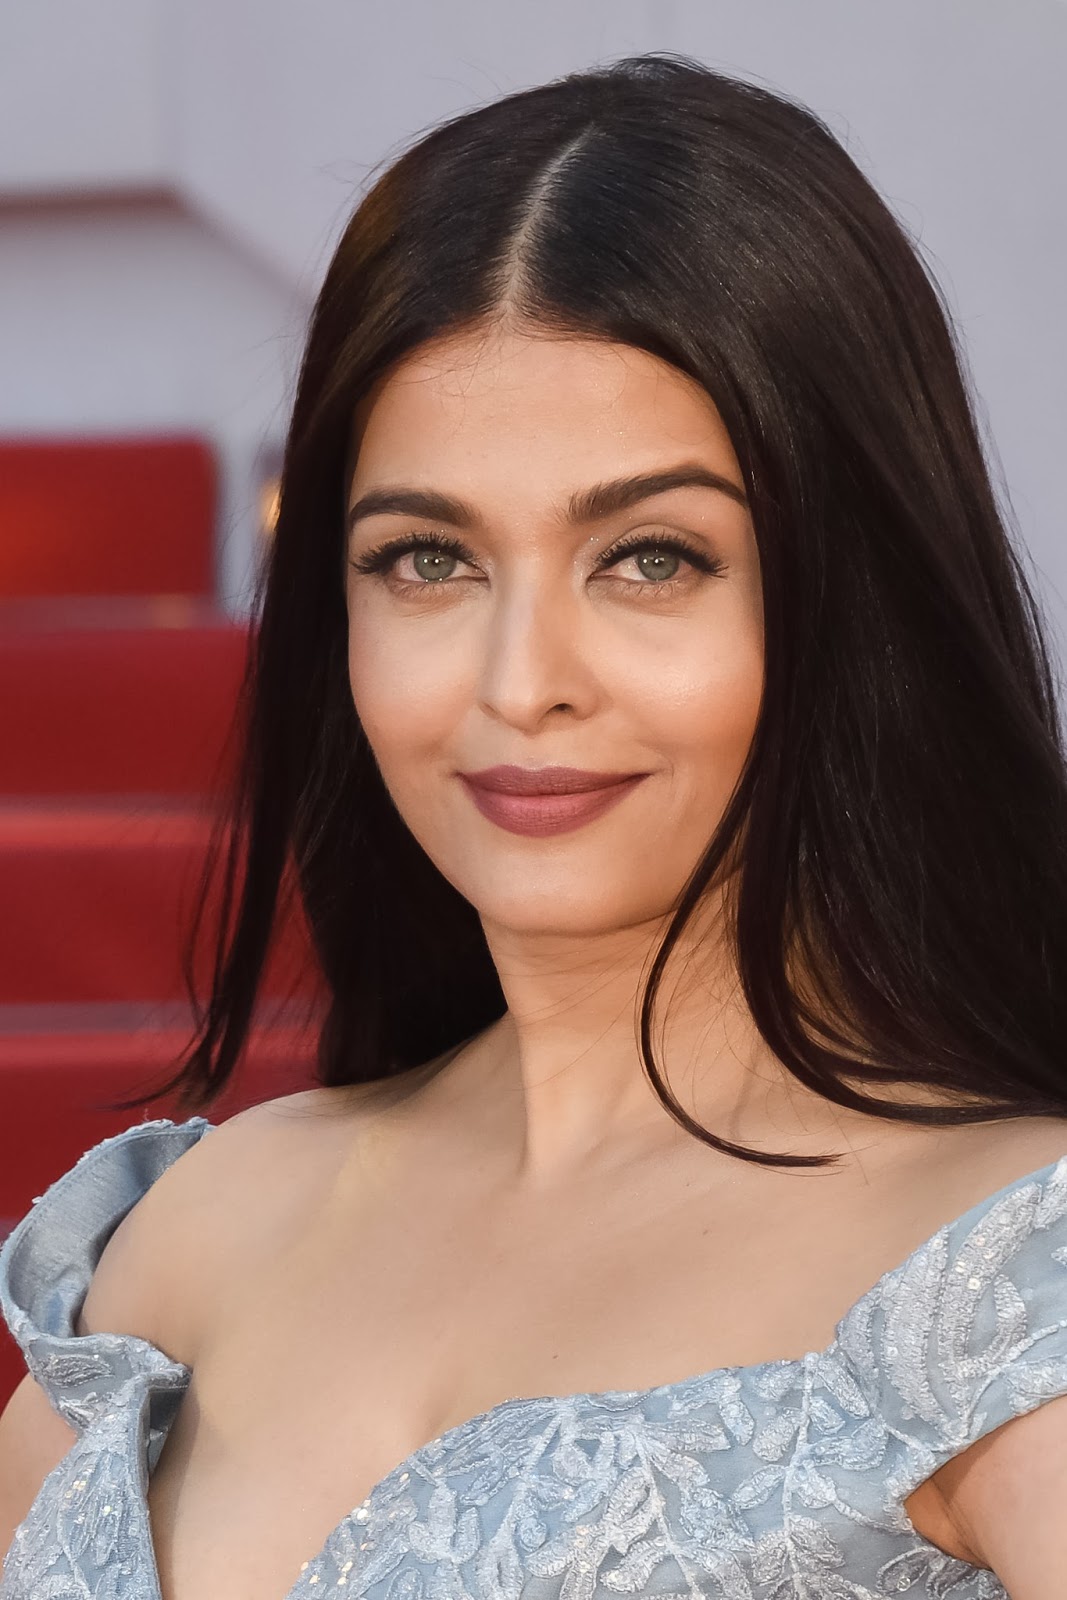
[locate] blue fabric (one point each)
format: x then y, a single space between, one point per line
770 1482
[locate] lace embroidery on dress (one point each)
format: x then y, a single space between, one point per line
783 1481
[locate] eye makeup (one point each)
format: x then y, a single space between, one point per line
383 558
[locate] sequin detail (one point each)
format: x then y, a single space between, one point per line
782 1481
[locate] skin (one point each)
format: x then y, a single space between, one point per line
527 1219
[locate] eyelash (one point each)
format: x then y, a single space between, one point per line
386 555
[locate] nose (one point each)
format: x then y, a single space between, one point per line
537 656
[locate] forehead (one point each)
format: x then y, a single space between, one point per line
502 401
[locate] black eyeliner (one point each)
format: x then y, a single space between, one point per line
670 543
384 555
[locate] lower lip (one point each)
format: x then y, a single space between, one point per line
540 815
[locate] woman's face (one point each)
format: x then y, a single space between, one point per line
564 606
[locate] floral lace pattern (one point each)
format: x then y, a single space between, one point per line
782 1481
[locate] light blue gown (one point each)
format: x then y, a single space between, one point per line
778 1481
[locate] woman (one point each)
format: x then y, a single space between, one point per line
656 716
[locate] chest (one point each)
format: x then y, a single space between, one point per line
723 1487
345 1362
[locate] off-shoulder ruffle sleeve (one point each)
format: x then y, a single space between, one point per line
970 1332
48 1260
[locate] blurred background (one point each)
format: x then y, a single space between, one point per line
173 175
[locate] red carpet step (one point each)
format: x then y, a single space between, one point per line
97 900
106 697
107 516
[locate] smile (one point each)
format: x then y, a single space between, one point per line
539 815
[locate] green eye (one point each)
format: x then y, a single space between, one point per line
658 564
433 565
661 559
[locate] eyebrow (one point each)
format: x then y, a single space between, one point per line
588 505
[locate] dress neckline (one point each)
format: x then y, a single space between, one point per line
552 1405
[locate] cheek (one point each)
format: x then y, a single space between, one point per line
701 703
406 696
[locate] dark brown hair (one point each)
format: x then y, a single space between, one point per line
904 806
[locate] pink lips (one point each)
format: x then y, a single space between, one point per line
538 801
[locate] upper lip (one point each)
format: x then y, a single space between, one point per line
545 780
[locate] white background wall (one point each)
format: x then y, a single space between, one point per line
266 118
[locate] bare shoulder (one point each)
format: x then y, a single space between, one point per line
214 1212
201 1222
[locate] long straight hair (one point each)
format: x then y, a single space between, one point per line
903 809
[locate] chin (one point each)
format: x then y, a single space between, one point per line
566 909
